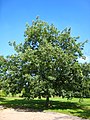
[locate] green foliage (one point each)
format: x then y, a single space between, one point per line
2 64
86 84
2 93
2 60
46 64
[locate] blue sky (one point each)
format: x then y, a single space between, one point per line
62 13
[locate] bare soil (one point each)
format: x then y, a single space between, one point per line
20 114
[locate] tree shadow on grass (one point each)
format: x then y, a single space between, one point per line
24 105
73 107
2 99
63 105
21 105
84 114
38 105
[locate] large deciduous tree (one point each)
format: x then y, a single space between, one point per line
46 64
2 60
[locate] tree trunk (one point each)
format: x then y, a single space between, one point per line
39 96
47 101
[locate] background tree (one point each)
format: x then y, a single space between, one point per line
86 84
46 64
2 63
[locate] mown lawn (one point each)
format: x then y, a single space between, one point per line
74 107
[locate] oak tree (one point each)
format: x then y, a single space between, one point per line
46 64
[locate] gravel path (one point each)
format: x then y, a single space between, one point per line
16 114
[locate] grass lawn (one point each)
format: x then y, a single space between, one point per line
57 104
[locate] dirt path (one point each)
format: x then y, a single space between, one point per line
12 114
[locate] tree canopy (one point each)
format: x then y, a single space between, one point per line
46 64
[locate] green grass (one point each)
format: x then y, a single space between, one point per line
73 106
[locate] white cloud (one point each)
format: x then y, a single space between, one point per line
86 60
